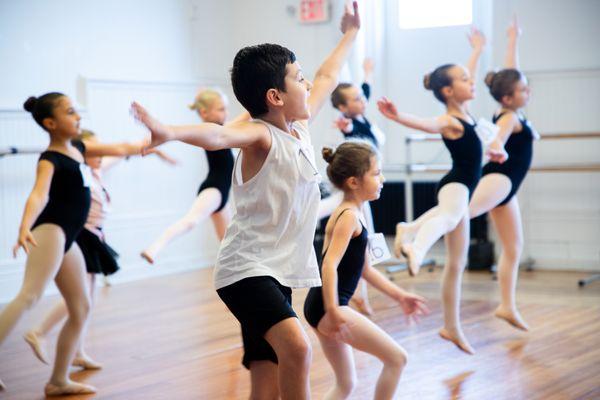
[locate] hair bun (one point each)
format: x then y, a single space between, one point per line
489 78
30 103
427 81
328 154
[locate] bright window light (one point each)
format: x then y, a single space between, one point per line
414 14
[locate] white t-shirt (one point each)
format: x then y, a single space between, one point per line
272 230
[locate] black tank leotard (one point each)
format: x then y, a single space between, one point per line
220 169
519 147
69 197
466 153
349 271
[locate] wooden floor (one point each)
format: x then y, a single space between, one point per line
171 338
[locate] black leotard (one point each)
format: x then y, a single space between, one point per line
69 197
220 169
349 271
466 153
519 147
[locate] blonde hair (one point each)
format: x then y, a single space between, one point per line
206 97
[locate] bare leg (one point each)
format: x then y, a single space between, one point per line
365 336
70 280
205 204
507 220
294 354
263 378
221 221
457 247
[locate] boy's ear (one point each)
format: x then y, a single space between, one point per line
274 98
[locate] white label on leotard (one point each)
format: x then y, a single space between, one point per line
378 249
86 175
534 133
486 130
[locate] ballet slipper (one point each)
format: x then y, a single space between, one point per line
399 239
413 263
512 317
362 306
86 362
69 388
147 257
37 345
2 385
458 339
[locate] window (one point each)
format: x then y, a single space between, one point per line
414 14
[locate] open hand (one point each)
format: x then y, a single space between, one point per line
412 305
159 132
387 108
25 238
476 39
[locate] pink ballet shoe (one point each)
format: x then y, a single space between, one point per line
37 345
70 388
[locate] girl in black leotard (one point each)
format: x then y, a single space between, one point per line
454 86
211 105
355 169
55 213
496 191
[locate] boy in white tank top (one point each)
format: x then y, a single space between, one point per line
267 249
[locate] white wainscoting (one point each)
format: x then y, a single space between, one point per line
561 211
147 194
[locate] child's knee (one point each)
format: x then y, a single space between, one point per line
299 353
397 358
347 384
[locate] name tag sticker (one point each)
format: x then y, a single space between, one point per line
86 175
486 130
378 249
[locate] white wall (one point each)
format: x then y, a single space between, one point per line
104 55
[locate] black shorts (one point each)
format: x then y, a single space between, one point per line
258 303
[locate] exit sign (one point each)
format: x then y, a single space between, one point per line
314 11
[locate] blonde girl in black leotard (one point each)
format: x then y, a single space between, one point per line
55 212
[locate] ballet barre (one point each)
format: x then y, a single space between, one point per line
409 168
10 150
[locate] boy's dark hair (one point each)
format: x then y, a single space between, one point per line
437 80
256 69
337 97
502 83
42 107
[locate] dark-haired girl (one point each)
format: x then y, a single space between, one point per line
500 181
453 85
54 214
355 169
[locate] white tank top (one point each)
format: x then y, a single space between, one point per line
273 227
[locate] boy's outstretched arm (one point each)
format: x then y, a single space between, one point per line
327 75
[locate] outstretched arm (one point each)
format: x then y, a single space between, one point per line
428 125
512 50
477 41
327 75
206 135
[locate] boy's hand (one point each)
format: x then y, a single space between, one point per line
387 108
159 132
476 39
350 20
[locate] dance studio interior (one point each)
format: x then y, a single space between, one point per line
300 199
